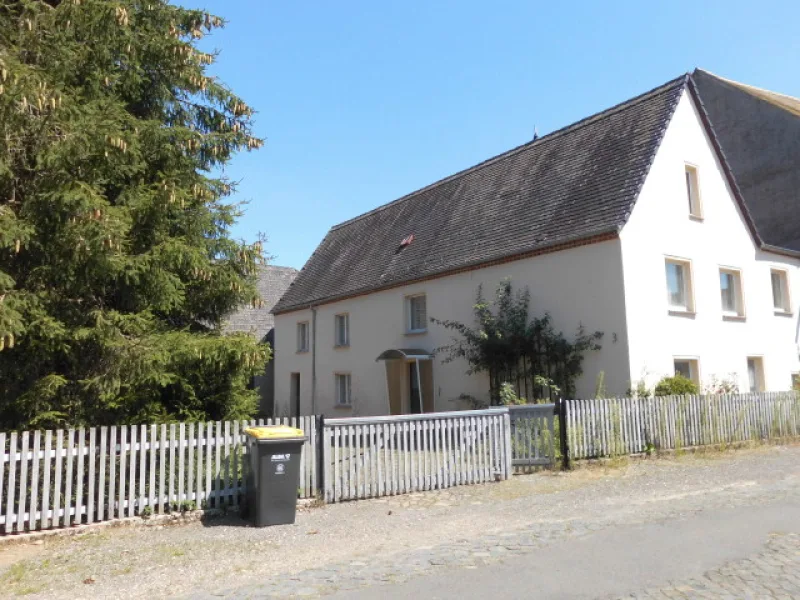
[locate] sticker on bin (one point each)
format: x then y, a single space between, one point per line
274 432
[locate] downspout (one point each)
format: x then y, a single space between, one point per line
313 360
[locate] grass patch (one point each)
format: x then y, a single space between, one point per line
15 577
28 590
91 539
15 573
173 551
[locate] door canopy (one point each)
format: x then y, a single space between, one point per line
405 354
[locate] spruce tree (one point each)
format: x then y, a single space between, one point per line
116 262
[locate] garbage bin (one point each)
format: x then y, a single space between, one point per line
273 473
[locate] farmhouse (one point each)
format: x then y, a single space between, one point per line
668 222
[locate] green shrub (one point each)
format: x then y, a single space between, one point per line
677 385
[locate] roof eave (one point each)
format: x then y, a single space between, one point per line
596 237
780 250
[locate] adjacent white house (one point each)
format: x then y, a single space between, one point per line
669 222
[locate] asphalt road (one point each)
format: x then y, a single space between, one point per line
741 552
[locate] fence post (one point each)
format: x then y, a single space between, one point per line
509 466
562 434
321 455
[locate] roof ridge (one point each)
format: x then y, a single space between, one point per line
629 103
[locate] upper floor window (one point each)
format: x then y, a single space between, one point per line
416 314
780 291
693 192
679 285
342 330
302 336
343 397
730 285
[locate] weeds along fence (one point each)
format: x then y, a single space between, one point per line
382 456
619 426
52 479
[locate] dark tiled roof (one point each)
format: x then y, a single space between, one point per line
573 184
759 134
272 283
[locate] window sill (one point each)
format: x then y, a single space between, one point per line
676 312
302 352
343 406
784 313
698 218
341 346
416 332
740 318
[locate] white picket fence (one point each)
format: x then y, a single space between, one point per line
381 456
618 426
51 479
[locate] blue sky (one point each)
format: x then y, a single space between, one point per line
363 102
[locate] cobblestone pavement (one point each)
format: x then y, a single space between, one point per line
774 572
379 546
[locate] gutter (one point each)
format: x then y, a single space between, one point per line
779 250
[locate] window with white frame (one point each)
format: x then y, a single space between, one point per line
342 324
302 336
679 285
755 374
693 191
416 314
688 368
780 291
343 397
730 287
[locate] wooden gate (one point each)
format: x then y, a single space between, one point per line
532 435
369 457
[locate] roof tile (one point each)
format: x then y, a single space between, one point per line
574 183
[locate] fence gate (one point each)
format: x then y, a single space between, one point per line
369 457
532 435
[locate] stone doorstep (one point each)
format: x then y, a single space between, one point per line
155 520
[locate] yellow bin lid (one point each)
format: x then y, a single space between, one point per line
274 432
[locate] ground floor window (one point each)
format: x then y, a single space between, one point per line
755 374
343 389
689 368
